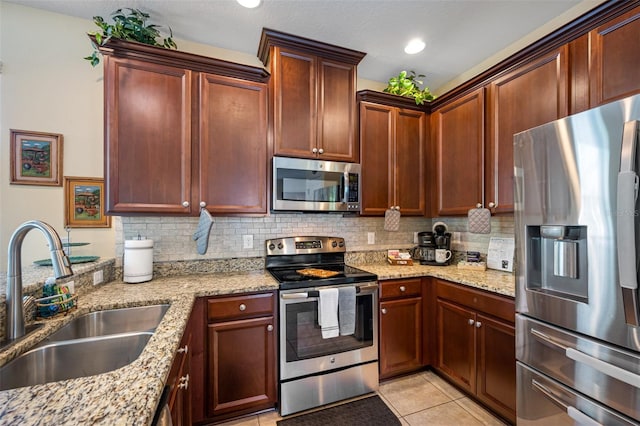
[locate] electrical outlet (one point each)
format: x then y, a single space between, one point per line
71 285
247 241
371 237
415 238
98 277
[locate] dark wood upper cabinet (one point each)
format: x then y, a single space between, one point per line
176 133
233 155
458 135
314 106
147 136
530 95
615 58
392 154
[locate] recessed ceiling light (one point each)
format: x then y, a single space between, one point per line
414 46
250 3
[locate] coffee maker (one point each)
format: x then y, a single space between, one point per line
425 251
442 240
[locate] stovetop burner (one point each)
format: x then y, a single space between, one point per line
287 256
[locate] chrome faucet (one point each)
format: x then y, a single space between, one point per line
61 269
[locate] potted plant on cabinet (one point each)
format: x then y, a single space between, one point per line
131 25
408 85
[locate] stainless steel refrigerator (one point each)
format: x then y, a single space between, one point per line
577 217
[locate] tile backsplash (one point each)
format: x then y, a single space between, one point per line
173 236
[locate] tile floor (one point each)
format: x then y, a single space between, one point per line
419 399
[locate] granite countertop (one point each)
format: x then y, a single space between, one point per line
130 395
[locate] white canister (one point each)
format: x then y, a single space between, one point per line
138 261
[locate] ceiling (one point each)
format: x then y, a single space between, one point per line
461 36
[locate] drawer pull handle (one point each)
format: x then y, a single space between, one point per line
470 321
402 288
384 311
574 413
243 307
183 350
270 327
604 367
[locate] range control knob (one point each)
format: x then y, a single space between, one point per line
272 246
341 244
334 244
280 246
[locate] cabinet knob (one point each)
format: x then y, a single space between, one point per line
314 150
185 204
478 324
321 151
184 350
478 205
203 204
242 306
470 321
269 327
384 311
402 288
492 205
183 383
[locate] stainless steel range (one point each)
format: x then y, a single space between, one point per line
316 369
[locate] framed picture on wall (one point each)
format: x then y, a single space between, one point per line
84 203
36 158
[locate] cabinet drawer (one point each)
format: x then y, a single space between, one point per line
502 307
244 306
400 288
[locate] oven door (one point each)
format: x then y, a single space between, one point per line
303 351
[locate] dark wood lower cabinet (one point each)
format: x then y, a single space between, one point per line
241 366
179 381
476 345
401 327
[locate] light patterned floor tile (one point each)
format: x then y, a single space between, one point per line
446 414
443 385
269 418
412 394
479 413
243 421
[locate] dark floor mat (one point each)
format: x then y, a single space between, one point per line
370 411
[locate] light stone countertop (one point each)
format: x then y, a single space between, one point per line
130 395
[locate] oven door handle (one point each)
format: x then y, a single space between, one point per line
314 293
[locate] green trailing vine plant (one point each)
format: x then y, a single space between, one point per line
408 85
128 24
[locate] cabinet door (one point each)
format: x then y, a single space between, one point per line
179 381
459 140
456 344
409 164
147 137
615 58
400 336
295 99
233 145
377 131
337 112
242 361
533 94
496 384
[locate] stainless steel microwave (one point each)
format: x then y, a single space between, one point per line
315 185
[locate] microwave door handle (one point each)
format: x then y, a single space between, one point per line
625 229
345 185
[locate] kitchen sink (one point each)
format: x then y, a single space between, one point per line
112 321
72 359
91 344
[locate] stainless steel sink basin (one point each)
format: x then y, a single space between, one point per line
112 321
91 344
72 359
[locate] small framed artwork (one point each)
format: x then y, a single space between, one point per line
36 158
84 203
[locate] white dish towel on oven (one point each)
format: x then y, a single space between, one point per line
347 310
328 312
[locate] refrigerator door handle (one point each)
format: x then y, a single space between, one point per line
578 416
604 367
625 229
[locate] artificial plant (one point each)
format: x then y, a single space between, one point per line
128 24
408 85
